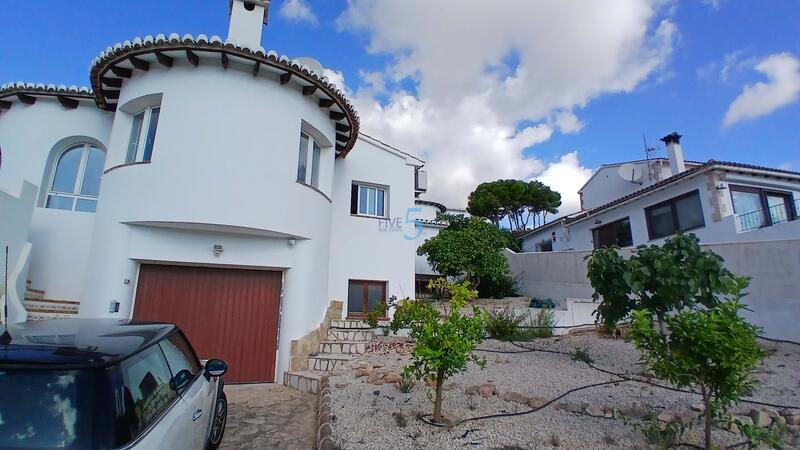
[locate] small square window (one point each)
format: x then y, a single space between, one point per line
369 200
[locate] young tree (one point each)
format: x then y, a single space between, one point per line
473 251
713 350
676 275
444 341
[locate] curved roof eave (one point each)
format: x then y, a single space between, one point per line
118 63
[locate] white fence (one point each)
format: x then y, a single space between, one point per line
773 295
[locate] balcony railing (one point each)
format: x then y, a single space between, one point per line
757 219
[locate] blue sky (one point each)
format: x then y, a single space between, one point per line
479 90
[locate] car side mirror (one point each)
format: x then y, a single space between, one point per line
216 368
180 380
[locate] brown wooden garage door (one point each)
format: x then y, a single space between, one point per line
226 313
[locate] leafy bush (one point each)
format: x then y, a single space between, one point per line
542 303
771 436
473 252
406 385
444 341
505 286
676 275
502 324
712 350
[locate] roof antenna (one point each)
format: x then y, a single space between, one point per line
649 153
5 338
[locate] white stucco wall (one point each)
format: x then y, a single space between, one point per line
31 136
606 185
224 163
16 207
773 295
717 211
359 247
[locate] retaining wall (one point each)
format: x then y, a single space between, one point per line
773 295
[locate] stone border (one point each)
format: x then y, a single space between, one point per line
324 426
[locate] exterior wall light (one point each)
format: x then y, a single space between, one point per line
291 242
218 249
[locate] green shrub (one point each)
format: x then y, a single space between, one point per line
502 324
713 351
444 341
540 326
505 286
582 355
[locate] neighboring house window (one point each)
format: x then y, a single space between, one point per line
368 200
303 174
545 246
681 213
756 207
143 135
364 296
75 183
615 233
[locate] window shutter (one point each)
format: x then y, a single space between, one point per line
354 199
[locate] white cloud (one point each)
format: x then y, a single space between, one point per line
298 11
566 176
490 82
781 88
568 122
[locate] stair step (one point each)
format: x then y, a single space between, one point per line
303 380
350 324
343 347
54 306
337 334
38 315
327 362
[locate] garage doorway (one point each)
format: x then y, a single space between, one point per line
226 313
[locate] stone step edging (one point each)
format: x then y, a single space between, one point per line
324 427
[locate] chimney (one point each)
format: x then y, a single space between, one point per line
248 18
673 143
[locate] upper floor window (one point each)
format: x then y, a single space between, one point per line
143 135
681 213
756 207
369 200
615 233
308 146
75 183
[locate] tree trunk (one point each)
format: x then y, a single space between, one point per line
706 403
437 403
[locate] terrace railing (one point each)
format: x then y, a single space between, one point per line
757 219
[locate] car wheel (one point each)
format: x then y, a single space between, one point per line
218 423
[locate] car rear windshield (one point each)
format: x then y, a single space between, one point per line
45 409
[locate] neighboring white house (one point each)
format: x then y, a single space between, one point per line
238 197
644 202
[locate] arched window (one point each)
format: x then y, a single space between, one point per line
75 182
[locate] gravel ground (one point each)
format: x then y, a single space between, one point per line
375 417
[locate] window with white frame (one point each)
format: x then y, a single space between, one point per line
75 181
143 135
369 200
309 147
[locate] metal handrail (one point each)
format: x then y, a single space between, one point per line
757 219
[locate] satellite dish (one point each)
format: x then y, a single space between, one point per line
631 173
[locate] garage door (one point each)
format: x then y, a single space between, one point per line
226 313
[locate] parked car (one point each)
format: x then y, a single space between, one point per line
104 383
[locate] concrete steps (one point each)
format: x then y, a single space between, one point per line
336 334
41 308
345 338
327 362
343 347
350 324
303 380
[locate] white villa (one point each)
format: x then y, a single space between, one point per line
646 201
207 182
